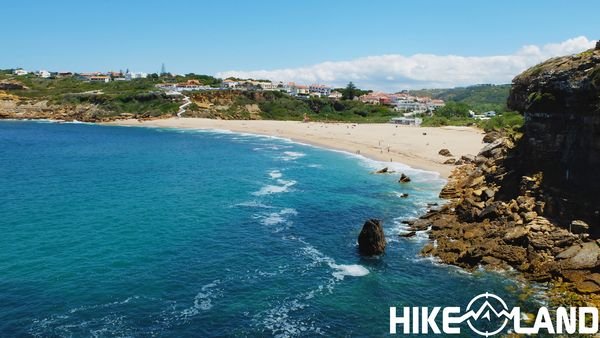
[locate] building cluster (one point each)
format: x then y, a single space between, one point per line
403 102
193 85
291 88
91 77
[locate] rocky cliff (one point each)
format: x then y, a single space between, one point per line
560 99
531 201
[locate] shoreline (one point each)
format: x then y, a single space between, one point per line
416 147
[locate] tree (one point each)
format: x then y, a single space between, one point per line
350 91
453 109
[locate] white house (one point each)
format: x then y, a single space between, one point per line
135 75
229 84
20 72
266 85
335 95
299 90
44 74
99 78
321 89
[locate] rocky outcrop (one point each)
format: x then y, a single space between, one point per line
371 240
12 85
560 100
404 178
530 201
13 107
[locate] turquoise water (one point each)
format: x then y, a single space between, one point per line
115 231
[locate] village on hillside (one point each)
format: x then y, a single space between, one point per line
407 105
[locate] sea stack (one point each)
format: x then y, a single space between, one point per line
371 240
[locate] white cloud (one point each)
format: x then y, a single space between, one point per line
394 71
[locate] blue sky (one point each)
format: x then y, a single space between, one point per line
214 37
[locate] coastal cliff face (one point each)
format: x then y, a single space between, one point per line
560 99
531 201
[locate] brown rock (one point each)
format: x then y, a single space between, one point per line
476 181
569 252
445 152
529 216
512 254
516 234
491 136
587 286
408 234
579 227
489 193
468 158
585 258
404 179
384 170
371 240
450 161
428 248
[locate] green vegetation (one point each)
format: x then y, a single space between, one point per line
280 106
505 121
479 98
351 91
138 96
453 110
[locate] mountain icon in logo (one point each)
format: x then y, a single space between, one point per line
494 315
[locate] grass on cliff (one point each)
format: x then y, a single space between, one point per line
505 121
280 106
138 96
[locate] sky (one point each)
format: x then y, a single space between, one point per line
381 45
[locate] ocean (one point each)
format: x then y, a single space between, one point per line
124 231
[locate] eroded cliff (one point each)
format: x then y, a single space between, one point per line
531 201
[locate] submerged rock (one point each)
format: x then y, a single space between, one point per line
408 234
371 240
384 170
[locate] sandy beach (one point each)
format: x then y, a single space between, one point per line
417 147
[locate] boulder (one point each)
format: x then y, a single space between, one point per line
488 194
384 170
514 255
579 227
488 149
371 240
585 258
403 195
450 161
468 158
529 216
569 252
491 136
404 179
516 234
445 152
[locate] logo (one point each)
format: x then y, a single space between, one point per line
488 315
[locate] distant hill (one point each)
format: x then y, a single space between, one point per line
480 98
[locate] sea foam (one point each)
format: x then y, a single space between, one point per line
275 189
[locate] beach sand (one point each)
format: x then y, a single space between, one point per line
417 147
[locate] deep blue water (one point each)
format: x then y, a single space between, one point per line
116 231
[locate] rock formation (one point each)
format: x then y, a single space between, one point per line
531 201
371 240
404 179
